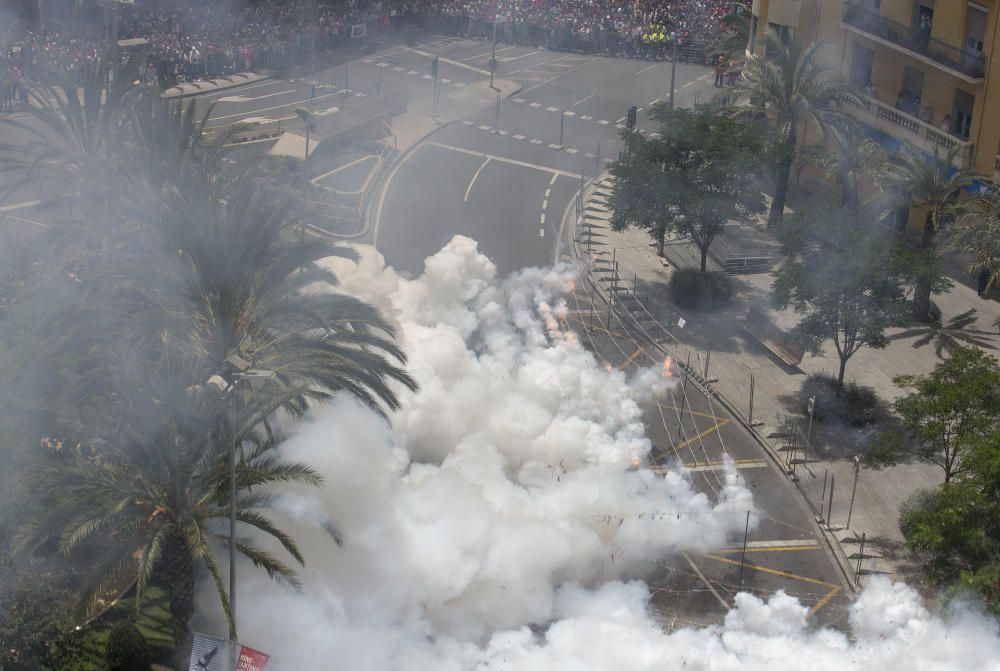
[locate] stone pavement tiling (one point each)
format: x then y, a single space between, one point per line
734 358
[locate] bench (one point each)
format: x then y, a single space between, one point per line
770 336
747 264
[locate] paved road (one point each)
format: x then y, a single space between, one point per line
510 186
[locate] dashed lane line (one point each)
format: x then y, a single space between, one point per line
503 159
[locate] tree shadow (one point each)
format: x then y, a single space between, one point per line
946 335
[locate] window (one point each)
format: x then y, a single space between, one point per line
861 66
911 89
964 104
975 28
784 33
924 17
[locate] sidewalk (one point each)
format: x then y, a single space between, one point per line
735 362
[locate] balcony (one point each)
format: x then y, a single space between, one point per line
967 65
902 126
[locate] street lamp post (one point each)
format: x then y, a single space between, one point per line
673 68
493 58
241 372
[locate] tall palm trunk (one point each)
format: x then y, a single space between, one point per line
180 581
704 258
777 212
922 287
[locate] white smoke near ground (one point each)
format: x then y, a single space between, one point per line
499 522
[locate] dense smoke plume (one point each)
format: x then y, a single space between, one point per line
498 523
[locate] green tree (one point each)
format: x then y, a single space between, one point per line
126 649
842 280
849 158
946 415
956 528
934 186
978 236
791 88
699 175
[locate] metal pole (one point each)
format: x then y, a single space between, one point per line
743 557
597 163
708 359
562 125
750 413
493 58
232 521
496 124
673 71
379 88
854 488
347 77
611 297
861 556
812 410
822 497
829 505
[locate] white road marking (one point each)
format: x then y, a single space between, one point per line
550 108
653 102
518 100
412 72
212 94
382 65
589 155
397 69
569 113
502 132
620 120
541 232
460 84
518 136
426 76
445 80
648 67
534 104
586 117
250 113
478 56
514 58
620 125
555 175
561 74
503 159
535 141
466 122
603 122
570 150
473 180
684 86
547 192
543 217
483 127
457 64
246 99
555 146
545 201
583 100
18 206
366 60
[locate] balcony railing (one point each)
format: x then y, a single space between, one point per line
903 126
968 62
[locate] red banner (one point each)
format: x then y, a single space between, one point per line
251 660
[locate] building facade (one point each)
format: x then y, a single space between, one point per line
929 70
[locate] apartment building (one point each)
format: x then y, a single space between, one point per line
929 69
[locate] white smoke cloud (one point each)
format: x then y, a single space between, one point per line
497 523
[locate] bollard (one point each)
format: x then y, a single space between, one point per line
822 497
378 88
708 359
861 556
743 557
562 126
750 413
854 488
347 77
496 124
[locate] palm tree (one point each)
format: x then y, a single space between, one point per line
935 186
978 236
850 158
791 88
73 137
144 490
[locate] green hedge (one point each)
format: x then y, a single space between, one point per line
126 649
854 404
695 290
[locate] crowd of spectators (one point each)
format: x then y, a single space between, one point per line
187 40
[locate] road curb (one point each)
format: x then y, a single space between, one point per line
832 544
225 87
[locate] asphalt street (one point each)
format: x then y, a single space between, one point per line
508 176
